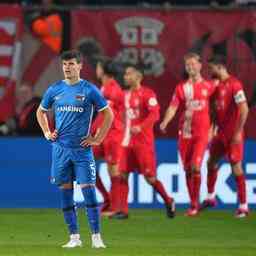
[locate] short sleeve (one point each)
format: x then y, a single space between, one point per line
97 99
238 92
176 98
151 101
47 99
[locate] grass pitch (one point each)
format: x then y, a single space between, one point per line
146 232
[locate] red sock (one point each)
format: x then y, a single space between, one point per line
158 186
100 186
189 184
124 190
241 189
115 193
196 183
211 179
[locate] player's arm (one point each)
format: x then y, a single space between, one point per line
243 113
42 116
243 110
101 105
102 131
169 115
172 109
152 113
43 120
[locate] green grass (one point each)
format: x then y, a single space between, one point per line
146 232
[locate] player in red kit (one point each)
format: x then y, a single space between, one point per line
110 149
231 114
192 97
142 112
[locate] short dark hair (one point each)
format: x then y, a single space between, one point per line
108 66
218 60
72 54
138 67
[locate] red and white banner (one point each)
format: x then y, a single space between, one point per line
159 39
10 48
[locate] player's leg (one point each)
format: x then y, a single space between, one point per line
127 164
70 215
235 155
85 172
185 150
198 148
216 151
112 152
62 175
146 161
99 154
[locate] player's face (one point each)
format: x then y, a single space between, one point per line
193 66
71 69
131 76
99 71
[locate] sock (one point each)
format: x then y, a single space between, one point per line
124 190
158 186
92 209
241 189
115 193
189 184
100 186
69 211
211 180
196 183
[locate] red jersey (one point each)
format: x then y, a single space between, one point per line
142 110
115 97
228 95
193 100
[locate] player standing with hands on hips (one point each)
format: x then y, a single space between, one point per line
73 101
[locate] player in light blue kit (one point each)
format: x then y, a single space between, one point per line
74 102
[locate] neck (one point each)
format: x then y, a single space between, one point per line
106 79
224 76
72 80
136 86
196 78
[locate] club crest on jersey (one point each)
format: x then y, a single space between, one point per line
80 97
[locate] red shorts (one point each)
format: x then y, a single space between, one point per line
110 149
221 147
139 158
192 151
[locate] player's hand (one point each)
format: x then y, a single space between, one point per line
162 127
51 135
135 129
90 141
237 138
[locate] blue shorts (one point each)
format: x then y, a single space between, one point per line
69 164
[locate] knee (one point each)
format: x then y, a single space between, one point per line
211 164
66 186
237 169
195 169
150 180
89 193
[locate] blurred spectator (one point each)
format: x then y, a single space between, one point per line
48 26
27 104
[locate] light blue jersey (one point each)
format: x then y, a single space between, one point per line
73 107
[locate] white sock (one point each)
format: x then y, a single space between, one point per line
211 196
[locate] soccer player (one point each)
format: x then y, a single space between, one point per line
110 149
142 112
231 114
192 97
73 101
